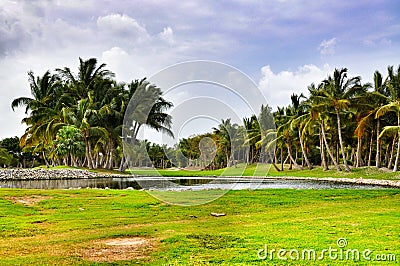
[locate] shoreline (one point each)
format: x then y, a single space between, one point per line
63 174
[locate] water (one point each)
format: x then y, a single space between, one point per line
183 183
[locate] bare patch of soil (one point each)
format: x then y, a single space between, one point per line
116 249
27 200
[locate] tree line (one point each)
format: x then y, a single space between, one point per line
76 118
342 122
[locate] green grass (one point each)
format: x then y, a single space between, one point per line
57 229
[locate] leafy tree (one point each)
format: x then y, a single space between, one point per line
5 157
69 143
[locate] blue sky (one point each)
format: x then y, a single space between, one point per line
283 45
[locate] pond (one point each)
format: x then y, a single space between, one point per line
182 183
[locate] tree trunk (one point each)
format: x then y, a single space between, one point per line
378 146
281 158
304 152
396 162
324 162
347 168
392 153
228 162
370 148
87 154
298 167
353 156
109 164
359 161
45 160
328 149
387 154
122 163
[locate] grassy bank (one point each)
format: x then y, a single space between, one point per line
67 227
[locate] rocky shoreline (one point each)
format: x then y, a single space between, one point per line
44 174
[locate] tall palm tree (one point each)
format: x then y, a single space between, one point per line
43 117
85 80
146 107
393 105
252 137
373 102
91 94
318 114
299 120
285 133
336 95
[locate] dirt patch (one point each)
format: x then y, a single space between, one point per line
117 249
27 200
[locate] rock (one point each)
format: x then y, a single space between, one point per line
216 214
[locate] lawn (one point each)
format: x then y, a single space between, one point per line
72 227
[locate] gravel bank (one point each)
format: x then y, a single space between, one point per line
41 174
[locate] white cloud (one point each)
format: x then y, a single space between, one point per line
327 46
123 64
122 26
167 35
277 87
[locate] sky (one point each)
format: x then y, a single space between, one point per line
282 45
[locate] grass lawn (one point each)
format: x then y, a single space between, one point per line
70 227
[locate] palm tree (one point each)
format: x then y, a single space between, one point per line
226 133
92 97
318 114
85 80
299 120
146 107
373 102
336 94
82 116
252 137
285 133
393 105
43 119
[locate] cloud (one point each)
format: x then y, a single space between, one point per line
327 47
167 35
277 87
122 26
